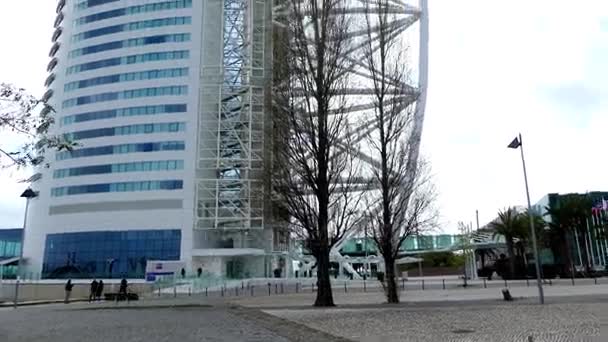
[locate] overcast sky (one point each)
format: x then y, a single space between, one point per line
497 68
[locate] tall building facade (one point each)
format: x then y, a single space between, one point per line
167 100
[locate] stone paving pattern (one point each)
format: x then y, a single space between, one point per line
495 323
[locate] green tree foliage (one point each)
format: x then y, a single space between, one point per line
30 118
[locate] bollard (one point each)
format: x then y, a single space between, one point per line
276 288
422 284
242 285
572 280
206 292
443 281
297 287
550 282
402 284
159 290
364 288
269 289
345 290
251 289
485 284
282 291
190 291
527 282
595 280
222 291
174 291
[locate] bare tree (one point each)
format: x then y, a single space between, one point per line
315 178
403 204
30 118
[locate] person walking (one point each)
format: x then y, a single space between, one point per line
123 289
99 290
93 291
68 290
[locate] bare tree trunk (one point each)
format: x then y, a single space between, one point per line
392 290
324 291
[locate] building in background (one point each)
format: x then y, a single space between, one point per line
170 103
10 248
167 100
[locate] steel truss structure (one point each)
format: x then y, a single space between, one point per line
406 21
230 184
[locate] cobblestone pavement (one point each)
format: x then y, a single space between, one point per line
183 323
484 323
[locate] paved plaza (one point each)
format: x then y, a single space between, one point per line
452 315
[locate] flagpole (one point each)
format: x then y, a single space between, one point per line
541 294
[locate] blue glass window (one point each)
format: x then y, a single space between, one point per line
158 165
134 26
121 149
127 130
141 58
92 3
127 77
153 7
159 39
117 187
107 254
130 111
126 94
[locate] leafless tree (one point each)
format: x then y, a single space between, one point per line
403 204
315 163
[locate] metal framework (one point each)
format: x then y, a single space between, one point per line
404 20
230 192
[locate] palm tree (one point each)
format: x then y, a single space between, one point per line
524 234
509 225
568 219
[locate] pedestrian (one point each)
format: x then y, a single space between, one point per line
68 290
93 291
99 290
123 289
199 271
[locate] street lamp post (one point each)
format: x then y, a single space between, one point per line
28 194
517 143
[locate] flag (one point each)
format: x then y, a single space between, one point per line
515 143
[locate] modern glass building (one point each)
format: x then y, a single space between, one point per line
10 248
167 101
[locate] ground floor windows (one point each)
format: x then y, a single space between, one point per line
107 254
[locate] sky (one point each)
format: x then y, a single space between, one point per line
496 68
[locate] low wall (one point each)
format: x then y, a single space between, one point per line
45 291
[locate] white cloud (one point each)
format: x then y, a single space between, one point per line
491 66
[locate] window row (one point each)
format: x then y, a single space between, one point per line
158 165
119 44
127 94
127 77
108 254
117 187
130 111
154 7
92 3
127 130
134 26
141 58
121 149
